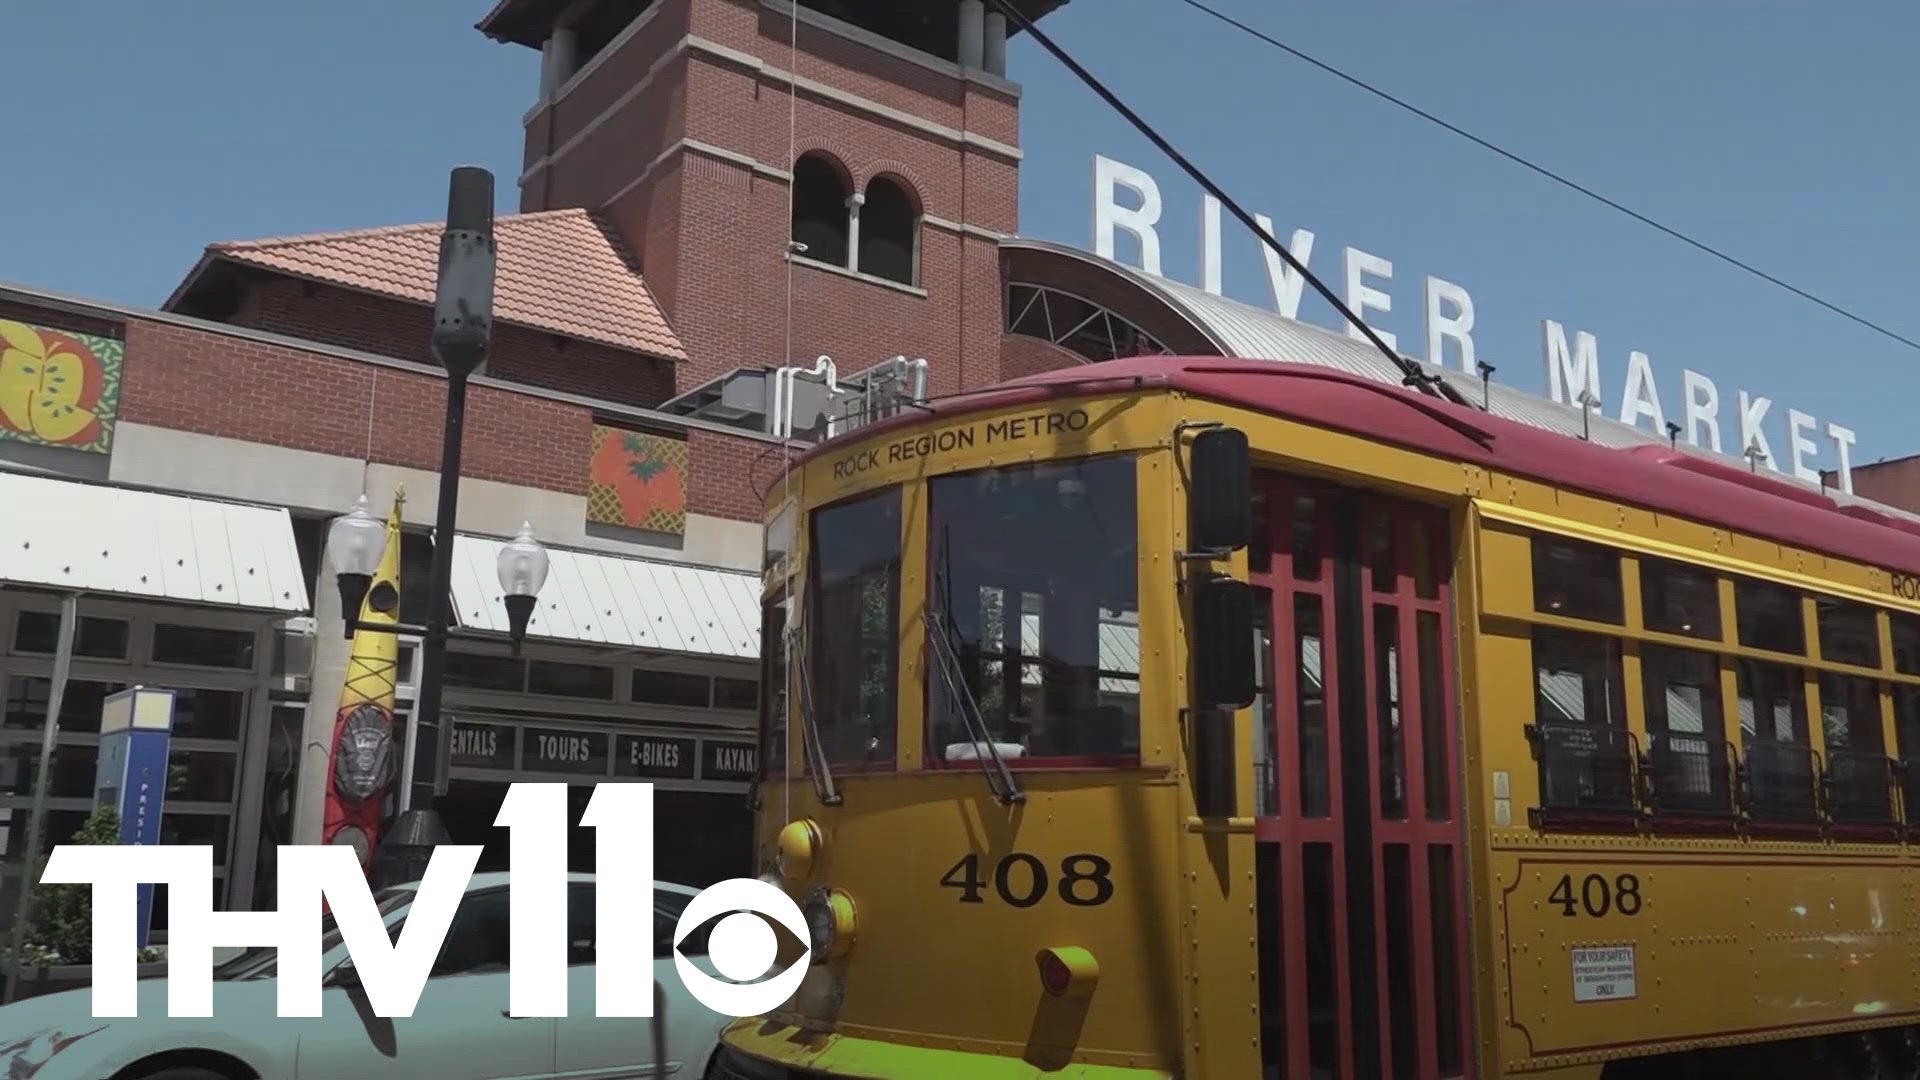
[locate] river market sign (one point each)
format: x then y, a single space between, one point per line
1572 363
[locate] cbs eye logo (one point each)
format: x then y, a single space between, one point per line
741 946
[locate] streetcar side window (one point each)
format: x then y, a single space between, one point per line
1576 580
1860 786
1769 617
1849 632
851 634
1034 598
1690 765
1781 774
1577 678
1679 599
1580 719
1906 643
773 685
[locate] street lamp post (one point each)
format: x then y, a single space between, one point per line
462 331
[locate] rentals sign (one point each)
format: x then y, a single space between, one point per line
1573 369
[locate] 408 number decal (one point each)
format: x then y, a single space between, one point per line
1597 895
1022 880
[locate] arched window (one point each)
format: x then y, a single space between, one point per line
821 219
1081 326
890 232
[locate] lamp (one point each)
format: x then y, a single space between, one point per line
355 543
523 570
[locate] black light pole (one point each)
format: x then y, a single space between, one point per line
462 330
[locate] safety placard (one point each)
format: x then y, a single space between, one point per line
1604 973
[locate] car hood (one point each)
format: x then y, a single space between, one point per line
71 1011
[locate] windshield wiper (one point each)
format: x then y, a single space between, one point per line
823 785
941 636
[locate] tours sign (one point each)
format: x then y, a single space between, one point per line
1737 425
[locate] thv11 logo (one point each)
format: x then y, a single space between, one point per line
394 969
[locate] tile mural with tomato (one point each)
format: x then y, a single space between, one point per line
638 480
58 387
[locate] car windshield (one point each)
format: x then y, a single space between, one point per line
261 962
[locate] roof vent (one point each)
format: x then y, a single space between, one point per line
1867 513
1772 485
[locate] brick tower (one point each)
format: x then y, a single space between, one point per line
858 156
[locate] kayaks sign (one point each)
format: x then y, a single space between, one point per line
937 443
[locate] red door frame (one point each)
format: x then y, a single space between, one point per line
1345 588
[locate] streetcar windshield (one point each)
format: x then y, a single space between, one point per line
851 633
1035 578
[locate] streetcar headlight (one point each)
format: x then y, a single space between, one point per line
830 919
796 849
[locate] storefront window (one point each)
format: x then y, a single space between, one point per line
671 688
207 714
71 777
557 679
61 827
27 698
199 775
37 633
1035 595
852 628
196 830
475 671
203 646
735 693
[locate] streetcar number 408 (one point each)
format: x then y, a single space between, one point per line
1022 880
1596 895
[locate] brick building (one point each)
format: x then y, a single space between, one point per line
713 189
1894 481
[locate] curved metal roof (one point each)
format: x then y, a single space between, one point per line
1247 332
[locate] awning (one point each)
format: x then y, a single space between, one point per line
610 600
75 537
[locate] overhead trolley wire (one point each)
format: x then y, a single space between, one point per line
1415 375
1542 170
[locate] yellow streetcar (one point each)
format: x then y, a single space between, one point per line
1218 720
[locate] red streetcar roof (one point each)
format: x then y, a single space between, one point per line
1654 477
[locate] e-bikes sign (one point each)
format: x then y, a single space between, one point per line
393 969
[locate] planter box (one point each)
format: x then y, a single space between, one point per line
36 981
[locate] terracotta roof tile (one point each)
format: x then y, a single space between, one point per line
559 270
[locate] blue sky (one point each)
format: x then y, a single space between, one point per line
1776 131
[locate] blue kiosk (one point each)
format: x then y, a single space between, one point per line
136 726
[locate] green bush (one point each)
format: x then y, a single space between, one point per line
62 921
